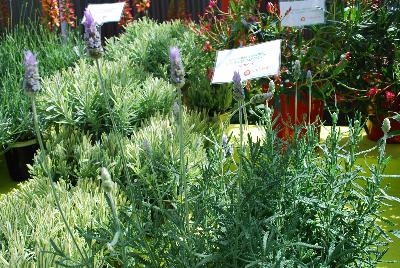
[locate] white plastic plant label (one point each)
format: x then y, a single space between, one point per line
103 13
301 13
251 62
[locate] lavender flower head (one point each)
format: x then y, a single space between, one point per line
296 70
92 36
309 78
238 92
31 79
177 71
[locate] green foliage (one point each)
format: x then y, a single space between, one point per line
148 44
29 218
72 97
52 55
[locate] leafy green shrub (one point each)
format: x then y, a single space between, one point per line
290 206
29 219
52 54
147 44
72 97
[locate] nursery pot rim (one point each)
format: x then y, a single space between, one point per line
20 144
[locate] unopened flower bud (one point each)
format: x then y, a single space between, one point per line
386 125
238 92
356 123
261 98
271 86
228 149
175 110
334 118
296 70
309 78
107 184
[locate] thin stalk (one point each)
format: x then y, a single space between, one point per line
181 157
114 125
43 152
309 105
295 106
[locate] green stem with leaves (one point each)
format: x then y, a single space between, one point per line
42 154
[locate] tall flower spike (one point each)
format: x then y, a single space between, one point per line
177 71
31 79
271 86
296 70
92 36
238 92
309 78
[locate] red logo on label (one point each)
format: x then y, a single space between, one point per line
303 18
247 72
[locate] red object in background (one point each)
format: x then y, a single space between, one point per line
375 130
224 5
286 114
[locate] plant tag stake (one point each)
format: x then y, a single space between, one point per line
301 13
251 62
103 13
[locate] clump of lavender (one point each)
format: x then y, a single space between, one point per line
177 71
238 92
31 79
92 36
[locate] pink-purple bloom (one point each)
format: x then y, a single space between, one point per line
31 78
177 71
92 36
238 92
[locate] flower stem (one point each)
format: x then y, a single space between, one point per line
114 125
43 152
181 157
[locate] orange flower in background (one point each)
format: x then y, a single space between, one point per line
126 14
50 14
4 13
142 5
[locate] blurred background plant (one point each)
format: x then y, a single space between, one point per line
52 54
369 32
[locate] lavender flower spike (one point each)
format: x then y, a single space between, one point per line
31 79
92 36
238 92
177 71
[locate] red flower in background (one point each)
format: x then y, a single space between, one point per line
126 17
389 95
347 56
372 92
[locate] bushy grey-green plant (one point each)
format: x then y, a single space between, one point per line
148 43
73 98
53 55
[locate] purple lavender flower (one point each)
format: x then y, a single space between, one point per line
31 79
177 71
92 36
238 92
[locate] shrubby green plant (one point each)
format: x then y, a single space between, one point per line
73 98
290 206
53 55
28 218
148 43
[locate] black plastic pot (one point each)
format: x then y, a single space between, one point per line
17 158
